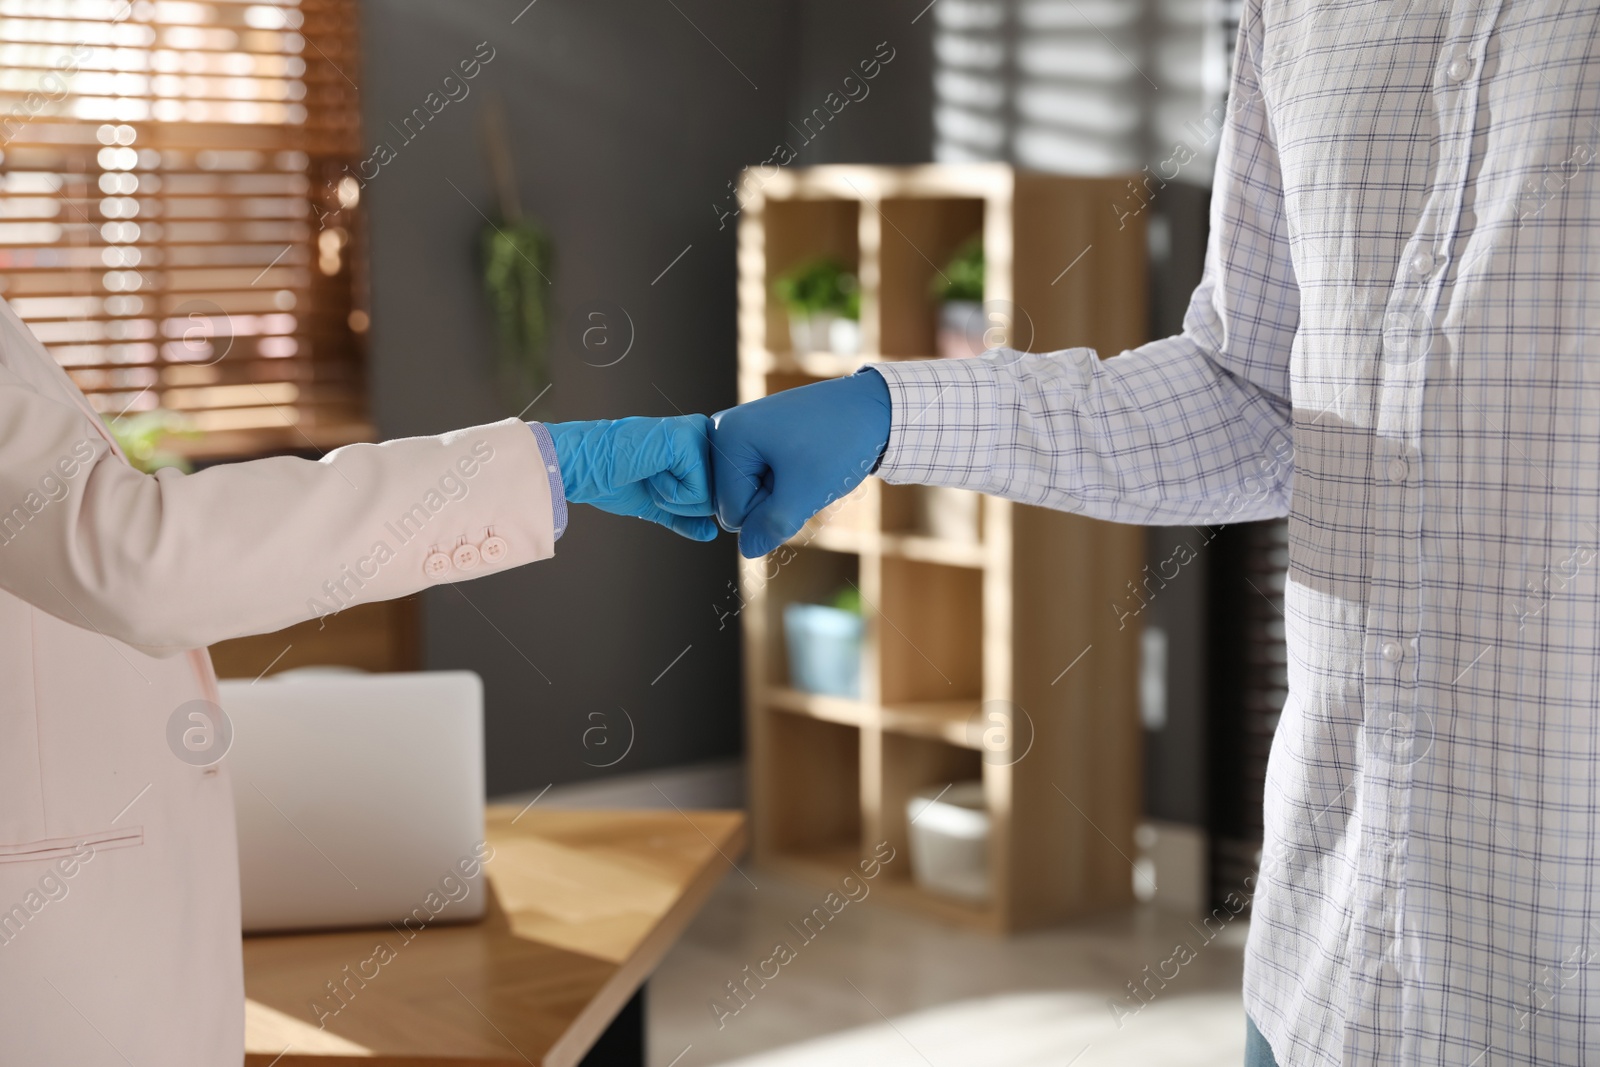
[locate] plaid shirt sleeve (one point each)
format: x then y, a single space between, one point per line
1191 428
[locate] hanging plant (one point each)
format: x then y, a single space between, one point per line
517 261
516 270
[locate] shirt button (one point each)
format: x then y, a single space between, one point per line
465 557
493 549
1396 331
1392 652
1397 470
1422 264
437 565
1459 68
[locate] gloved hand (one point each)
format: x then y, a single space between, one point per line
781 459
656 469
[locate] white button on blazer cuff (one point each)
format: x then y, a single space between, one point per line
465 557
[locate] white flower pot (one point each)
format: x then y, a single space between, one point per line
949 839
810 333
961 329
844 337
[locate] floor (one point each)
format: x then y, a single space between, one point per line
878 987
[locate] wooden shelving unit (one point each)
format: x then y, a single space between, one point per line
956 628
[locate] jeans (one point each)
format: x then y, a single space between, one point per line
1257 1053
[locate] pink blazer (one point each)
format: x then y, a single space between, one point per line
119 895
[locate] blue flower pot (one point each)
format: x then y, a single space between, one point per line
824 649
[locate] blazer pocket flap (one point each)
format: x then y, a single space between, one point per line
54 848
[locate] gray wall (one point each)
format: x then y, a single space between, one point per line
893 122
627 124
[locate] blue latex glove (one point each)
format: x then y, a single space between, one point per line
781 459
656 469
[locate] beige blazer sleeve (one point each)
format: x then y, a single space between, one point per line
170 561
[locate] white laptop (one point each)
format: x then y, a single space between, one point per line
359 798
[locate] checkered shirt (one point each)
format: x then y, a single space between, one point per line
1397 344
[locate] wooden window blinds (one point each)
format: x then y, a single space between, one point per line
176 219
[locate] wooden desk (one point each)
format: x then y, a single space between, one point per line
582 906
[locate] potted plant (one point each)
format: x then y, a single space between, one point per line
517 260
823 299
824 644
959 292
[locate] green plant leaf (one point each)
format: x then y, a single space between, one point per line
847 599
822 284
963 275
517 263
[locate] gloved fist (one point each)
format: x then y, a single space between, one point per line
656 469
781 459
